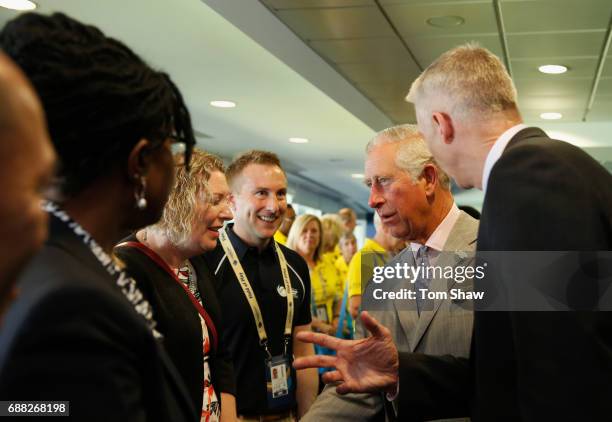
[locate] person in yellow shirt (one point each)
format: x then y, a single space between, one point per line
348 248
332 230
349 219
375 252
283 231
305 237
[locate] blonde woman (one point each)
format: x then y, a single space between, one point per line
332 231
305 237
164 259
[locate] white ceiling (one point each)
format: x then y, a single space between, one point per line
209 58
338 72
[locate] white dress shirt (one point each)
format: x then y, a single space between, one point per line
496 151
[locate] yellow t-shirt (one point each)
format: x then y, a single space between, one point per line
371 255
342 268
280 237
326 283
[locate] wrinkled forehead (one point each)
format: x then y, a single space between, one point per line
381 160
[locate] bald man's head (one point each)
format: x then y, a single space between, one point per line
27 161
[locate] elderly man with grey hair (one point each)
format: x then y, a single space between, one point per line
411 194
540 195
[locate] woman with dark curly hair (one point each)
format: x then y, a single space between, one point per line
81 329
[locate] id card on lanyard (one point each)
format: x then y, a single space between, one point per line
278 368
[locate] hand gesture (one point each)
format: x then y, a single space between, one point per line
362 366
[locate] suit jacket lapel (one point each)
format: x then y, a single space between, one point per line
407 318
453 254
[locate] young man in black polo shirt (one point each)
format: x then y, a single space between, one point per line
253 274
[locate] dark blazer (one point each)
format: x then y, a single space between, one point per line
72 335
542 195
179 321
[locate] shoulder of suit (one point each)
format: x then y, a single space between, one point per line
544 147
53 283
403 256
468 225
541 154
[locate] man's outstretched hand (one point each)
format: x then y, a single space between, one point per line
361 366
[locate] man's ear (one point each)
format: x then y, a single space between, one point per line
430 178
444 124
139 159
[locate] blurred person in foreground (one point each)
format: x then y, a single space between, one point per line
26 170
165 259
81 330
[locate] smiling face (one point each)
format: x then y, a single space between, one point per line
401 204
210 213
309 239
259 201
348 247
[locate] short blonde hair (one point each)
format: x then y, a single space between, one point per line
346 214
333 228
180 210
412 154
298 228
470 79
250 157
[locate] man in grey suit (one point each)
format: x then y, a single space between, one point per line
411 194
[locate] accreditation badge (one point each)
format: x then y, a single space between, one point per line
322 314
279 381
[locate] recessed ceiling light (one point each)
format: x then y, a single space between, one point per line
551 116
223 104
445 21
298 140
552 69
18 4
357 175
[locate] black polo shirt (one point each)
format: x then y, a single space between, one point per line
239 331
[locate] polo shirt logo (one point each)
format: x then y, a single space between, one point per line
282 293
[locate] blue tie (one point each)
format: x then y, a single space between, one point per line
422 282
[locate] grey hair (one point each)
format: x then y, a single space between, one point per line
412 154
470 80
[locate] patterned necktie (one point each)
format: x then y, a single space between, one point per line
422 282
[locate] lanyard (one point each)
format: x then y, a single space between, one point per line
164 266
250 294
126 284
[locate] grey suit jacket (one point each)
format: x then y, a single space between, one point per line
444 329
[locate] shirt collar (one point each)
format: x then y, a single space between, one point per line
240 246
496 151
438 238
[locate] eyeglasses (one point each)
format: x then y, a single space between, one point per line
181 151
